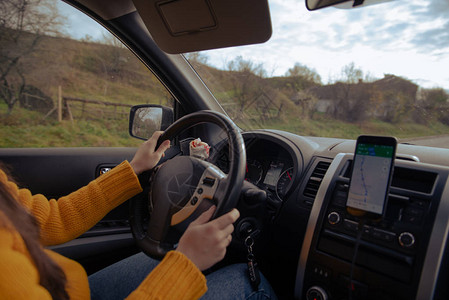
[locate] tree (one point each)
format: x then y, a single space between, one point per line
304 76
247 84
253 92
22 25
114 59
398 96
301 78
351 74
196 58
435 98
395 106
111 62
351 96
432 104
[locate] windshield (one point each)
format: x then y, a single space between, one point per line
340 73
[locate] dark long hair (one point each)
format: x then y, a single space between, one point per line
52 278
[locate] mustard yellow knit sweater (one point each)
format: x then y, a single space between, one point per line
176 277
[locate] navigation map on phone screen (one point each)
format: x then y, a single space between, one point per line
370 177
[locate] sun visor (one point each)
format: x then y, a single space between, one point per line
180 26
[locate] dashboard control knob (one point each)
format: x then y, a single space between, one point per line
316 293
406 239
333 218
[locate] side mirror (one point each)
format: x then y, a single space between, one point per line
145 119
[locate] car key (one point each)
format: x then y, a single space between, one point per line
253 269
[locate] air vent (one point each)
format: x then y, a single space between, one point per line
315 179
407 178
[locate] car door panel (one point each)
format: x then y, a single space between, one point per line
55 172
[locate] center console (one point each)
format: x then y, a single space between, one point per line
398 255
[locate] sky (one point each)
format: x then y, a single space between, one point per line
407 38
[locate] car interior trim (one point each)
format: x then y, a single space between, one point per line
415 256
435 250
109 9
312 223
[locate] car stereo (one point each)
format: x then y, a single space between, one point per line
399 255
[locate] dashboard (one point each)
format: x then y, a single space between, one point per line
273 164
311 240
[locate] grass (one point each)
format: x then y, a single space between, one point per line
24 128
323 126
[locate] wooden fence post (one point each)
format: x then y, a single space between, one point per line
59 103
69 111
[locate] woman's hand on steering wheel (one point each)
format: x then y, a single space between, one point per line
182 187
204 242
147 156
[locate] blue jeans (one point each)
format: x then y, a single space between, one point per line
120 279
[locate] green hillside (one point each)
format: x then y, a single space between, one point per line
83 70
297 103
90 70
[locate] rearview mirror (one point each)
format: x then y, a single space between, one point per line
145 119
317 4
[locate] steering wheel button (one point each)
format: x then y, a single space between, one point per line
194 200
209 181
200 191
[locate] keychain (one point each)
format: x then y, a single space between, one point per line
253 269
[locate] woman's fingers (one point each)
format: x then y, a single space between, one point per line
226 219
146 157
205 242
162 148
204 217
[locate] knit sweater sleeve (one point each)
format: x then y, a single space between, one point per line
176 277
68 217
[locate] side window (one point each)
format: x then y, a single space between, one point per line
65 81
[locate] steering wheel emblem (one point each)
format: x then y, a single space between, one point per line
180 190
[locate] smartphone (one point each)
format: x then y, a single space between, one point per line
372 169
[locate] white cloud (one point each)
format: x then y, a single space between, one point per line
405 38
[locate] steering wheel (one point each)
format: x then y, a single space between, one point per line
183 187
